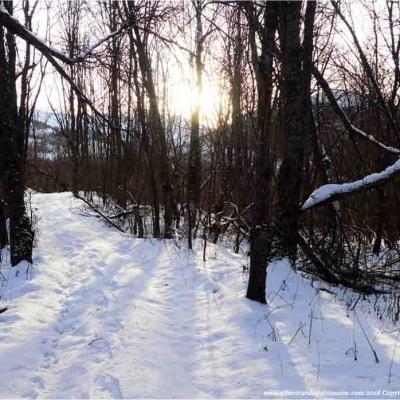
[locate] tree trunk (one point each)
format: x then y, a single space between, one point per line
3 227
259 236
295 87
159 143
194 167
11 158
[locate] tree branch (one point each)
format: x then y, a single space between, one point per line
369 72
332 192
16 28
345 120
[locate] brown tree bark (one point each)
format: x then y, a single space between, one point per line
295 88
11 154
156 128
194 165
263 67
3 227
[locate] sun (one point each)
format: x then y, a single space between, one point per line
182 100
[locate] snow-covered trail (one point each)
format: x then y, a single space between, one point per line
104 315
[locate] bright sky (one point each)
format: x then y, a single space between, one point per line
181 88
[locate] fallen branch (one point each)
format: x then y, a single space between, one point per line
92 207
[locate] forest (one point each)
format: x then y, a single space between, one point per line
250 148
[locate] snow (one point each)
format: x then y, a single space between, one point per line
372 139
33 39
328 191
11 22
105 315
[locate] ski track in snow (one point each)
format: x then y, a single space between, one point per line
104 315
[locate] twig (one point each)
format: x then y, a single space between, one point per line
95 340
300 328
310 329
354 305
394 353
366 337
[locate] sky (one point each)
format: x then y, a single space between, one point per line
181 81
181 87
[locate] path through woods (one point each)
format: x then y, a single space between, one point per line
108 316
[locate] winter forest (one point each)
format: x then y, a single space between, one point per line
198 199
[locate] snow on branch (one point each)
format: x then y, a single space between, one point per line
15 27
368 70
53 55
332 192
90 49
370 138
345 120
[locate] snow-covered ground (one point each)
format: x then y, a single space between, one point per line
104 315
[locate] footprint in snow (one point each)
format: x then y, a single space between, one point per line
38 381
50 359
113 325
61 329
101 350
110 384
102 301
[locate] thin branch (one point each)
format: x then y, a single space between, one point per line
345 120
16 28
368 71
